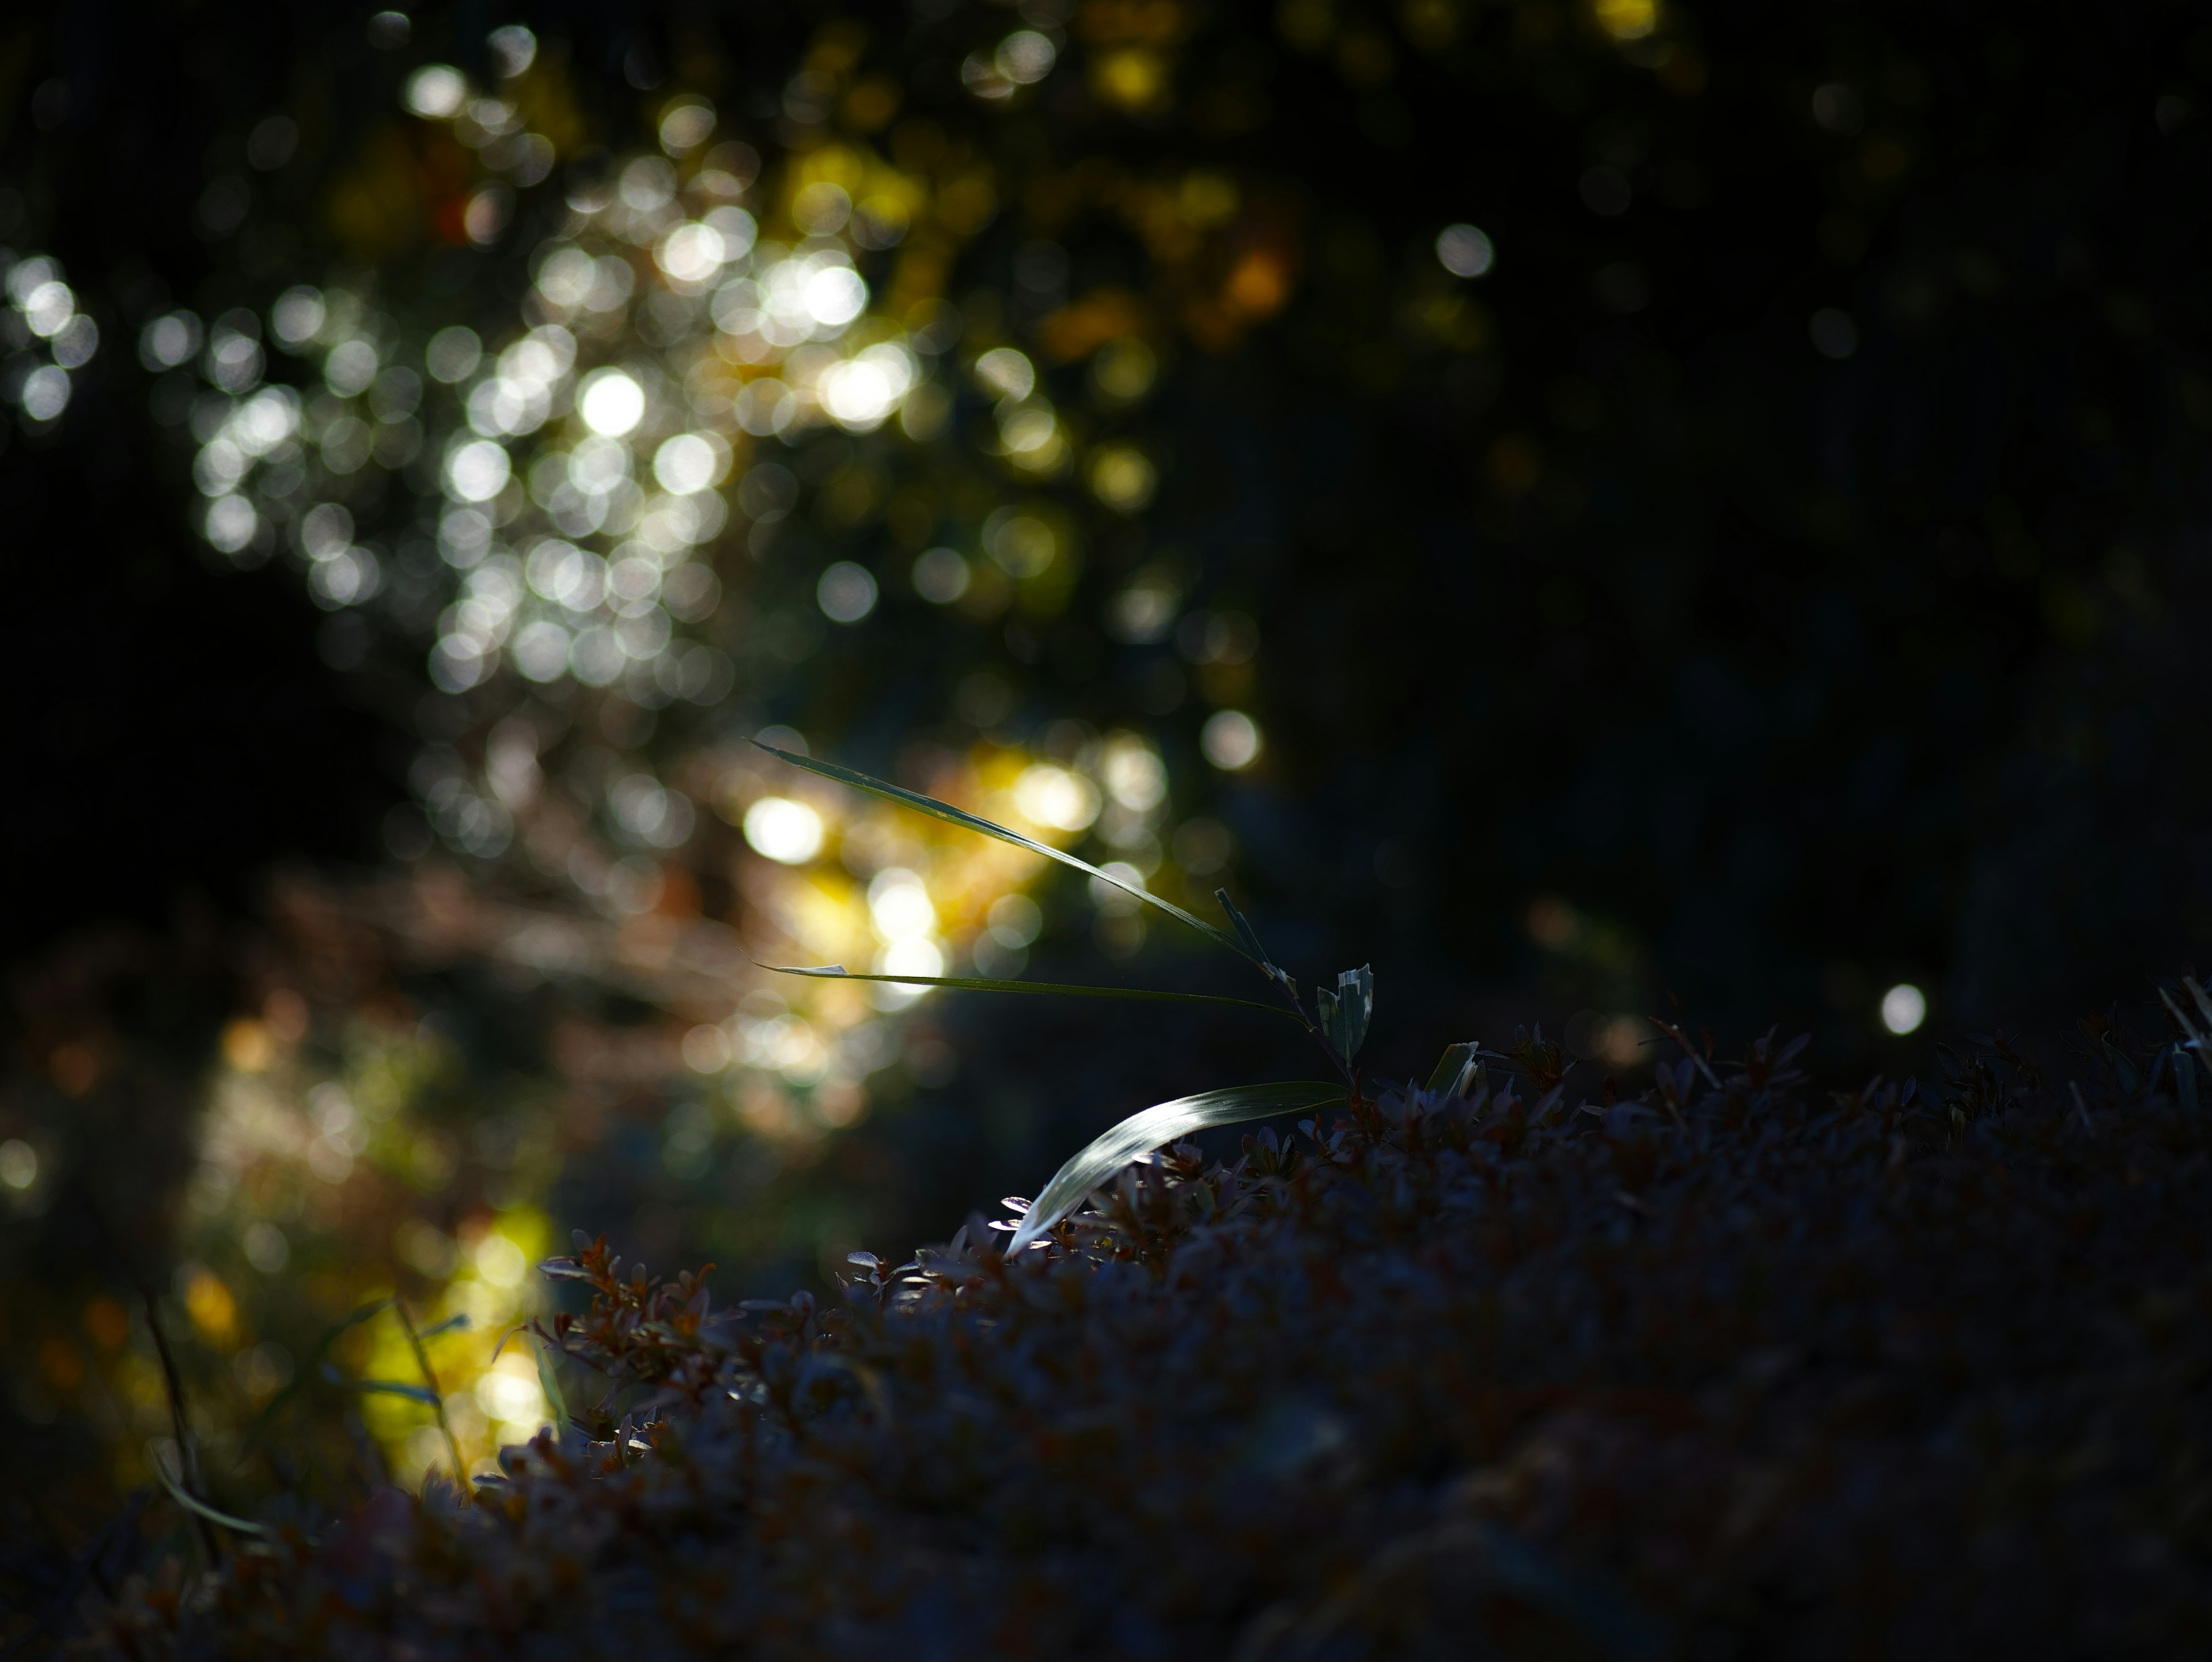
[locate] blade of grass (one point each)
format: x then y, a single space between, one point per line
1163 1123
950 815
413 1393
985 984
437 1397
191 1502
187 1460
1245 932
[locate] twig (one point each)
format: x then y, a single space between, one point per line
1680 1036
1313 1031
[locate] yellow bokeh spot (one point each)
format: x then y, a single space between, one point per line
1206 198
1259 285
1122 477
1130 79
248 1045
211 1305
1627 19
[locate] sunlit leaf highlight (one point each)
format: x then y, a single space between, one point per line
191 1502
1163 1123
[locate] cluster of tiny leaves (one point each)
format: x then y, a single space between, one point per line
1733 1368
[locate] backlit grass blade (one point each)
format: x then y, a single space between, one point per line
986 984
1163 1123
413 1393
950 815
191 1502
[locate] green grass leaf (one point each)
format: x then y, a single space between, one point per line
191 1502
1163 1123
950 815
413 1393
986 984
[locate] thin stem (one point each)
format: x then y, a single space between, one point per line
188 1464
1318 1037
437 1397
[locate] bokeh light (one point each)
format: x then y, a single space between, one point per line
1904 1009
1465 252
48 336
1230 739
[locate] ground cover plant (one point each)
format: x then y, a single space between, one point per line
1502 1363
1734 1369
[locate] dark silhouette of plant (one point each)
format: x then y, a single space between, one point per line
1476 1368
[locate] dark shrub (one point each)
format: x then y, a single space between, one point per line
1734 1369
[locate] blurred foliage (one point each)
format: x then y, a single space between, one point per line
1578 503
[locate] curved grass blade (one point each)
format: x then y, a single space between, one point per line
1161 1124
985 984
191 1502
413 1393
950 815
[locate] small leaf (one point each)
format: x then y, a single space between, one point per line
950 815
554 1397
1456 1072
984 984
1345 1012
1156 1126
451 1325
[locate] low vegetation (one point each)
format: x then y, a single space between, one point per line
1498 1364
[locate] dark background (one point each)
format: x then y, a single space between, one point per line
1804 675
